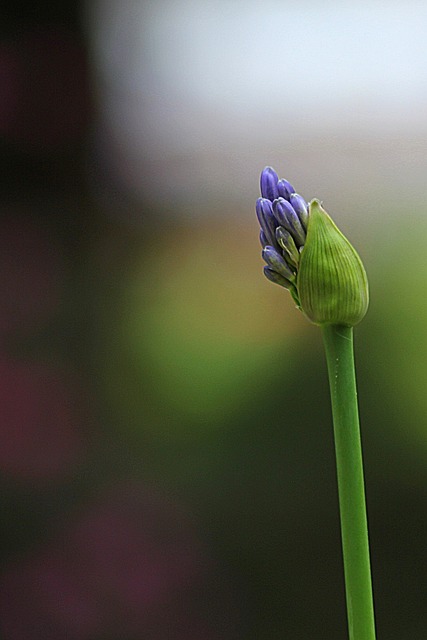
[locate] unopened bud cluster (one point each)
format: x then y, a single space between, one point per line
306 253
283 217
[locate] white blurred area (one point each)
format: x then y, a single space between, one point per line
196 96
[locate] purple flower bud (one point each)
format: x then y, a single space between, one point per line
283 217
275 277
285 189
266 219
269 179
301 207
277 263
287 243
287 217
263 239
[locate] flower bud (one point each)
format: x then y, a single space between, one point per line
266 219
268 184
263 239
332 283
300 206
275 261
275 277
287 218
285 189
287 244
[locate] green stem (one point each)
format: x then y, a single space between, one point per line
338 342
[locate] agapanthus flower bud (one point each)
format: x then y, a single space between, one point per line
306 253
332 282
285 189
275 277
301 207
287 244
277 263
268 184
287 217
263 239
266 219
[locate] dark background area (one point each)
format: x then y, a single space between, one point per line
166 454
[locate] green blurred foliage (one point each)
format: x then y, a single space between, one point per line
215 374
193 328
206 383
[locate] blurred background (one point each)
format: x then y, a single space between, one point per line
166 456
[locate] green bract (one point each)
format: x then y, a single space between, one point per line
332 284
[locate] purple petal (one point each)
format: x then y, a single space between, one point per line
301 207
277 263
287 243
269 179
275 277
263 239
287 217
284 189
267 221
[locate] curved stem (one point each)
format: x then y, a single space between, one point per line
338 342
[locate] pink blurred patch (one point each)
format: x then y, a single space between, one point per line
40 426
31 274
46 599
129 567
